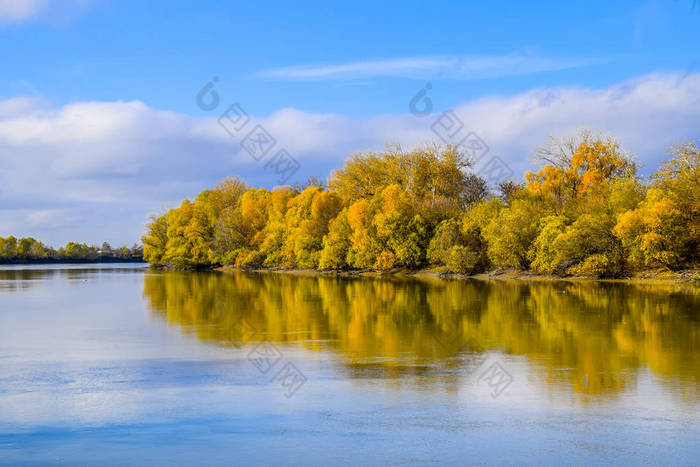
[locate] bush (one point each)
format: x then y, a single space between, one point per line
253 259
447 235
385 260
597 265
461 260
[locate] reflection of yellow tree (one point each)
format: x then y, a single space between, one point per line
590 336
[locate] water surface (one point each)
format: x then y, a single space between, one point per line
116 364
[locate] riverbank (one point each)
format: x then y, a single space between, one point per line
69 261
658 275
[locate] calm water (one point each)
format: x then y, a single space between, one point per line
116 364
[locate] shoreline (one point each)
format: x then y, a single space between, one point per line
691 277
105 260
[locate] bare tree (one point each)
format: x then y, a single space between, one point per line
474 188
314 180
507 187
559 150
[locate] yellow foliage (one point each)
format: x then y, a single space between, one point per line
584 213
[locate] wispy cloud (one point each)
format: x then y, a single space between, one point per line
446 67
18 11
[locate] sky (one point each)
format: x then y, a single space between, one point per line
112 110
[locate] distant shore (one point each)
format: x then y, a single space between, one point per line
70 261
686 276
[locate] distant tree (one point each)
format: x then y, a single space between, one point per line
136 251
8 247
314 180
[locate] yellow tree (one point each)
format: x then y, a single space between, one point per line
586 187
364 245
177 249
199 233
336 243
155 239
510 233
307 220
273 235
430 174
665 229
403 231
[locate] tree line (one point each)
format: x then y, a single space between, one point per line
586 212
29 249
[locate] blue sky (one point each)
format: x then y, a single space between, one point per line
99 124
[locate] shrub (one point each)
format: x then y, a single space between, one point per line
462 260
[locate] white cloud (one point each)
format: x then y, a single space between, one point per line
445 67
19 106
92 171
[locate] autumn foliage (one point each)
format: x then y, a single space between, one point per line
586 212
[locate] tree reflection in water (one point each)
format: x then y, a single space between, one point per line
591 337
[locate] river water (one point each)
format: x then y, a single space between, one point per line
119 364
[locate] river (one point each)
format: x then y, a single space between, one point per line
118 364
